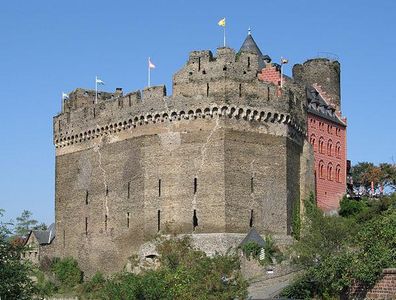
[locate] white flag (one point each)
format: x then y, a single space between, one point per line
150 64
99 81
284 60
65 96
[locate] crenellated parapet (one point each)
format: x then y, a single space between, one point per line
247 114
226 84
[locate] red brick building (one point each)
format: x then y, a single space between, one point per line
327 135
326 128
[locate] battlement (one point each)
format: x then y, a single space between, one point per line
227 79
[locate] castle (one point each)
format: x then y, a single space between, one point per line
227 151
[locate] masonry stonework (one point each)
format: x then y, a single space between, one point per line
226 152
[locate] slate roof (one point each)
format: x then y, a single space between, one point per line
44 237
318 106
253 236
249 45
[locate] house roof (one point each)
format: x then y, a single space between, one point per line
318 106
44 237
253 236
249 45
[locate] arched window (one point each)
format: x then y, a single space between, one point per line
338 149
321 145
330 171
312 141
329 147
321 169
338 173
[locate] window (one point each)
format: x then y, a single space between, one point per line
321 169
158 220
338 173
321 145
86 197
312 141
251 185
128 219
159 187
329 147
338 150
330 171
129 190
195 185
86 226
251 218
195 219
105 223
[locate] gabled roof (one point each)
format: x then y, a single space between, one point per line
249 45
253 236
44 237
318 106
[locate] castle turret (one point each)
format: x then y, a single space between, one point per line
250 46
324 73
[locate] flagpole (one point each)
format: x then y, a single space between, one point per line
224 31
281 75
96 89
63 103
149 72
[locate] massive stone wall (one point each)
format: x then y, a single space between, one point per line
218 156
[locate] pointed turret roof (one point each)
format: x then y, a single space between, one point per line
249 45
253 236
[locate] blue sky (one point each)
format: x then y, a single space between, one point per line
47 47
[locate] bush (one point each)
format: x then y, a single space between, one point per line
185 273
67 272
337 251
351 207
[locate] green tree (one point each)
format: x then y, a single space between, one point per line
336 251
25 223
15 282
67 272
388 174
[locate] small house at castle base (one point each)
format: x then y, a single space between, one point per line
226 152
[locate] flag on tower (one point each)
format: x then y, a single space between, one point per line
284 60
99 81
222 22
150 64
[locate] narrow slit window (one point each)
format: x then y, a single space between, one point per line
248 61
107 190
64 238
251 218
159 187
158 220
105 224
240 90
86 226
195 185
252 185
86 197
199 64
207 90
128 220
195 219
59 125
129 190
94 112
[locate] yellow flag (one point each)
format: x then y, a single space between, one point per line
222 22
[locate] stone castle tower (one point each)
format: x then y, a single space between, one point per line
225 152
